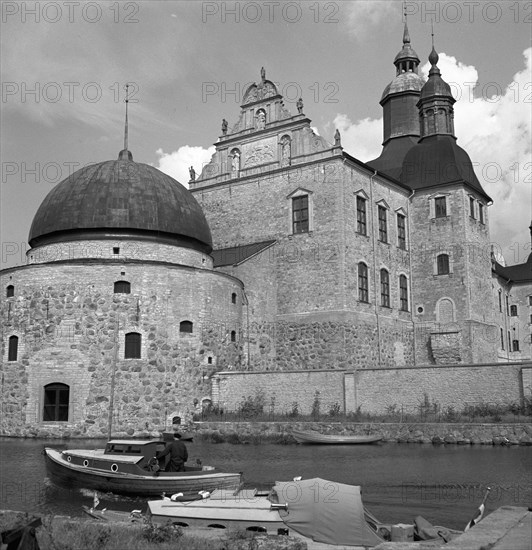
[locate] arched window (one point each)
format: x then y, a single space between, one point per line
133 345
233 298
515 345
12 353
122 287
10 291
56 402
233 336
385 288
363 286
403 292
185 326
442 264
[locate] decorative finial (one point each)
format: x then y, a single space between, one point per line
224 126
433 56
262 74
125 154
406 35
337 138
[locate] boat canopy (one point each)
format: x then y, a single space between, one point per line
325 511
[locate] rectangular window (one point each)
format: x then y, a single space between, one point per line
513 311
363 294
502 339
401 231
132 346
509 342
361 216
507 305
442 264
383 228
300 214
403 293
472 207
530 300
500 301
515 345
385 288
440 207
481 212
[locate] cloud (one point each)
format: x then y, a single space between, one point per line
364 16
177 163
494 126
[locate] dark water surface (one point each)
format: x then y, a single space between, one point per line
445 484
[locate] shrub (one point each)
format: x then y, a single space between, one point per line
315 412
164 533
334 410
294 411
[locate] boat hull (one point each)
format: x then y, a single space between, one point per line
149 484
321 439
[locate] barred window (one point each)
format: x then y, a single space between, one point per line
133 345
300 217
440 205
122 287
401 231
361 216
403 292
442 264
385 288
363 286
383 227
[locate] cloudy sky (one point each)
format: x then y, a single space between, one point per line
65 65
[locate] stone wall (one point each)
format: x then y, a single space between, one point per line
377 391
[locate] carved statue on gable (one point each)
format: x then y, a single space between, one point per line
192 173
337 139
262 74
261 120
285 151
235 162
299 105
224 127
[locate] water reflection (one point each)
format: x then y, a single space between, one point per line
444 484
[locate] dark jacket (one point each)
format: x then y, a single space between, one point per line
178 456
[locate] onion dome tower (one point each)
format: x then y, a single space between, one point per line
437 159
400 114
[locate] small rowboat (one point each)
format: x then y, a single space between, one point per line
128 467
317 438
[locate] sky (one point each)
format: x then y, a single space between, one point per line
64 67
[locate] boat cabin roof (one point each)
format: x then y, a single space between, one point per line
133 447
133 442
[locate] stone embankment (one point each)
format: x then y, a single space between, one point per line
434 433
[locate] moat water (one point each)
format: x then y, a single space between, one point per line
444 484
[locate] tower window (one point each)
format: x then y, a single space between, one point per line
186 326
472 207
233 298
56 402
502 339
361 216
300 217
403 292
440 207
122 287
12 353
10 291
481 212
233 336
385 288
116 250
363 286
500 301
515 345
401 231
513 311
530 300
133 345
383 228
442 266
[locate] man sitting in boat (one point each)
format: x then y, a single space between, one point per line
178 454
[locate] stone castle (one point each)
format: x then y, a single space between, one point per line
288 261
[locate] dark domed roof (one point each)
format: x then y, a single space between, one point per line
438 160
404 82
121 198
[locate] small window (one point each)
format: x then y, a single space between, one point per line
530 300
500 301
401 231
440 206
56 402
509 342
507 305
300 217
472 207
403 292
133 345
513 311
209 360
122 287
531 319
12 353
502 339
481 212
10 291
442 264
186 326
116 250
515 345
383 227
361 216
363 286
233 298
233 336
385 288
